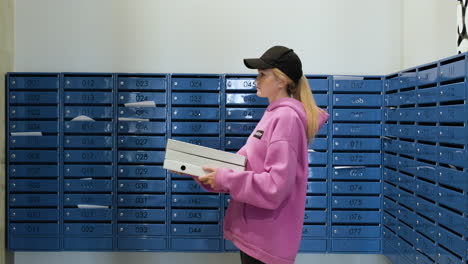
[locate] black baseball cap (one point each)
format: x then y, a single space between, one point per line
279 57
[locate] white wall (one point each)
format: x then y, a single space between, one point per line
429 31
205 36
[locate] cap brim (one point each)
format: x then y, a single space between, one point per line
257 64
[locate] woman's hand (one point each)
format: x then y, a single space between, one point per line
209 179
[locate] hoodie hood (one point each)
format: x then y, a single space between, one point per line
292 103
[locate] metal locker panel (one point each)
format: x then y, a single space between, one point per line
407 182
85 185
141 171
195 99
87 214
94 112
427 152
315 216
243 84
88 142
33 171
211 142
389 144
245 100
319 144
196 244
452 178
195 230
34 126
359 100
356 188
195 128
452 70
426 114
202 201
323 131
426 208
235 143
91 199
88 98
318 173
356 144
90 127
244 114
356 173
88 156
141 156
159 98
390 176
33 214
142 200
313 245
142 230
453 134
142 142
449 113
452 199
409 148
33 98
407 98
142 215
321 99
237 128
87 229
33 229
87 243
229 246
195 113
356 231
406 114
357 115
35 186
445 257
452 220
316 202
425 227
407 233
196 83
356 159
453 242
428 95
141 127
391 100
142 112
355 245
408 79
316 187
189 186
194 215
390 160
88 83
356 129
425 245
427 76
33 112
406 131
318 158
450 92
141 186
85 171
356 217
406 216
33 243
33 142
314 231
318 84
142 83
453 156
33 82
392 84
33 156
356 84
143 243
355 202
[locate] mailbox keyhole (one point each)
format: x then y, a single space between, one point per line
182 167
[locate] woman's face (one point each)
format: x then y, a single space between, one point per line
269 86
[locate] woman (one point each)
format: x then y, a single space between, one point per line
266 213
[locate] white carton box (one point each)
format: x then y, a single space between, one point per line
189 158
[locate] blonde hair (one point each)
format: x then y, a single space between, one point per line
302 92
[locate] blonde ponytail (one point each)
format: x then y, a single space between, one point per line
302 92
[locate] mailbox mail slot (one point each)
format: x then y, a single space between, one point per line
245 100
33 112
141 171
94 112
88 185
203 84
211 142
143 112
33 229
87 156
33 200
33 214
91 199
142 127
34 126
195 128
88 229
142 142
158 98
91 83
141 156
142 215
235 128
88 98
33 98
244 84
142 230
88 142
142 83
87 214
195 99
33 171
195 113
142 186
36 82
244 114
88 127
195 230
88 171
202 201
144 200
33 142
33 186
194 215
33 156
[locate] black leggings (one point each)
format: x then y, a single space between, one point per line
246 259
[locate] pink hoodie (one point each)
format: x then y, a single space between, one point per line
266 212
